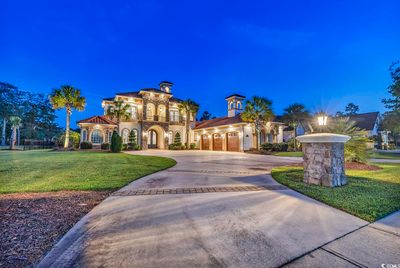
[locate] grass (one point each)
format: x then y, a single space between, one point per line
290 154
42 171
379 155
369 195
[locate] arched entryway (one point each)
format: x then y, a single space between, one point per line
153 139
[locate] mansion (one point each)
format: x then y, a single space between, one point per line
156 119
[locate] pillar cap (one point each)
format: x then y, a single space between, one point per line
323 138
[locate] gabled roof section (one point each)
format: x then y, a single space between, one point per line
134 94
236 95
173 99
97 119
365 121
219 121
155 90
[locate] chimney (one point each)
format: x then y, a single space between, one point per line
235 104
166 86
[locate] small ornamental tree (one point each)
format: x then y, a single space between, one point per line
116 143
132 139
177 138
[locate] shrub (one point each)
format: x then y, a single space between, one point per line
177 138
86 145
74 139
275 147
116 143
355 150
125 146
176 146
266 147
105 146
193 146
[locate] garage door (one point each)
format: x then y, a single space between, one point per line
217 142
232 141
205 142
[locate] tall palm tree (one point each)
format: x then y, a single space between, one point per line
119 110
258 111
69 98
190 108
293 115
15 123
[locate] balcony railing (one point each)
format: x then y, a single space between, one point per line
156 118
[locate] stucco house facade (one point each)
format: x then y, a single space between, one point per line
156 119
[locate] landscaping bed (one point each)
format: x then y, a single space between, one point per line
32 223
44 193
369 194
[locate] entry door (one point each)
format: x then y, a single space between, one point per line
152 142
232 142
217 142
205 142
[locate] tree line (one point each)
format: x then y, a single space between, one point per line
25 115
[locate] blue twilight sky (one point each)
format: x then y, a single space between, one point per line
320 53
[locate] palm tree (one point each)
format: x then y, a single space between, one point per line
119 110
69 98
190 108
258 111
15 123
293 115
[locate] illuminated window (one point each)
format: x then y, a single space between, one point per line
97 136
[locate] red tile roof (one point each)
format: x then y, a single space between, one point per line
219 121
98 119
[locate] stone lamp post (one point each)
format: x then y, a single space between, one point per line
323 155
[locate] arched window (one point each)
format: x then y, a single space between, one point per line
170 134
109 136
84 135
97 136
125 136
161 112
150 111
134 113
232 105
239 105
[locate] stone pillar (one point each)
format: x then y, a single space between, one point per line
323 155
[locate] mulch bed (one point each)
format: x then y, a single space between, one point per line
32 223
350 165
361 166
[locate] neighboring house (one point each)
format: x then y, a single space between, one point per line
156 119
367 121
231 133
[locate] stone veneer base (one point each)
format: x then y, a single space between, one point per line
324 163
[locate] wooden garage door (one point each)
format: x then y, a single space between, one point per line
232 142
205 142
217 142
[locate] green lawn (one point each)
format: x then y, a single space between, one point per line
291 154
369 195
40 171
378 155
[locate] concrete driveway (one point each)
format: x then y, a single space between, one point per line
213 209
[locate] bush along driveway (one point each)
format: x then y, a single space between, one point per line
44 193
